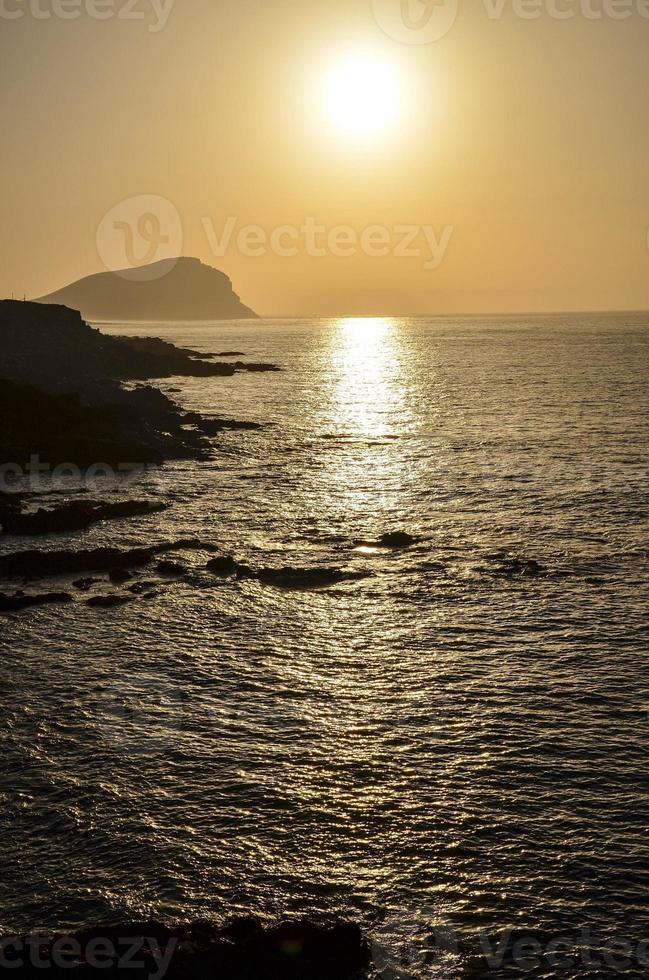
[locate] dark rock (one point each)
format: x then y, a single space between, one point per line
103 423
42 564
10 502
140 588
156 358
212 427
397 539
223 565
53 346
245 571
394 539
108 601
171 569
76 515
288 577
118 575
241 950
230 353
60 397
251 366
84 584
305 578
20 600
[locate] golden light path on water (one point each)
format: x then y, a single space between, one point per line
430 742
367 414
368 390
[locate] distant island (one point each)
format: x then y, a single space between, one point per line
174 289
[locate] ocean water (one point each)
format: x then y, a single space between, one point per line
448 748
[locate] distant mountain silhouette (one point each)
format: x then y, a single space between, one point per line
182 289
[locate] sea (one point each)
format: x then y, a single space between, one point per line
450 750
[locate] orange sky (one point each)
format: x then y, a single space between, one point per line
512 176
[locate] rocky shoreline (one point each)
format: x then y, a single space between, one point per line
111 577
62 397
63 403
243 949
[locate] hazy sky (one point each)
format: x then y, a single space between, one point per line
515 149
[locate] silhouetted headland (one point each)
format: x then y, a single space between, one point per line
174 289
61 397
62 403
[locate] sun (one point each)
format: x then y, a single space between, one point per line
362 94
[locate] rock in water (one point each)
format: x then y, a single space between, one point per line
397 539
20 600
393 539
223 565
77 515
108 601
170 569
43 564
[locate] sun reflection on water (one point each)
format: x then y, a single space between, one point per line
360 468
368 391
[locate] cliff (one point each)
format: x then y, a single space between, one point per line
61 397
186 290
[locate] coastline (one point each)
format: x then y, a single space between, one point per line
242 949
73 399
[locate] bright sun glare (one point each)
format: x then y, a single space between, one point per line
362 94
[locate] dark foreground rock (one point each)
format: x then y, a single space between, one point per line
397 539
20 600
224 565
170 569
61 398
212 426
76 515
53 346
285 577
242 950
108 601
393 539
37 564
289 577
105 425
85 584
